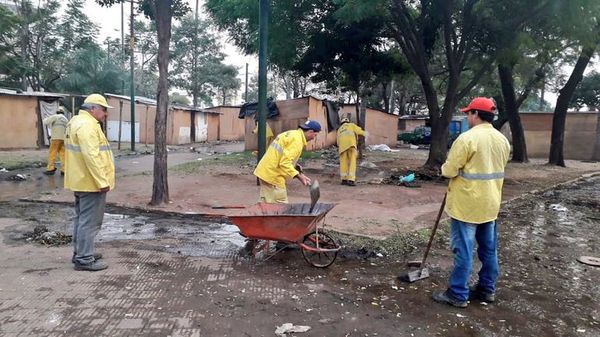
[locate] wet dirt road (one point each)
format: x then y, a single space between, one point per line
177 276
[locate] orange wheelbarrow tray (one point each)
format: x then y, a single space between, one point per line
292 224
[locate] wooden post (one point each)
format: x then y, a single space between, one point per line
120 123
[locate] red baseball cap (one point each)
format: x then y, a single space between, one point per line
482 104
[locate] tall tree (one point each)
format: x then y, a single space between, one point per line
419 27
587 93
556 156
162 12
351 55
91 69
10 58
198 64
514 30
39 58
578 21
76 29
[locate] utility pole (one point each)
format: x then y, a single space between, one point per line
246 93
195 59
122 47
263 26
131 86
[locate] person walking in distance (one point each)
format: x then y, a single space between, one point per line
347 135
475 166
57 124
90 174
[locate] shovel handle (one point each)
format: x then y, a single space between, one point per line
435 226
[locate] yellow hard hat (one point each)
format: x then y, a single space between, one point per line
97 99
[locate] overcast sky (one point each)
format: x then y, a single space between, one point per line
109 21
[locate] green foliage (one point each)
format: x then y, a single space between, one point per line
178 98
76 29
179 7
588 93
90 69
9 57
198 64
253 88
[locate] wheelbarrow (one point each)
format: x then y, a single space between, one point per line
292 224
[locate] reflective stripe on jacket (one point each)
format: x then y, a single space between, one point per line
346 136
278 163
89 162
476 165
58 124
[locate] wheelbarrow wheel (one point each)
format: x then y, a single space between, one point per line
317 258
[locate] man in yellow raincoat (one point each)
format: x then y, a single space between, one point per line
269 133
57 124
279 162
90 174
475 166
347 135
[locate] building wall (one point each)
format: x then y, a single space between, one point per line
18 122
144 121
580 134
213 127
382 127
230 126
318 112
294 112
180 127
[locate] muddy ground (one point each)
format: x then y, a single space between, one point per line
182 276
221 175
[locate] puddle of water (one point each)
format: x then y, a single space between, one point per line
194 237
36 183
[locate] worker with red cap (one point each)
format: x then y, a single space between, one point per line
475 166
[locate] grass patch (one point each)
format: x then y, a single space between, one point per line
231 159
310 155
12 164
396 246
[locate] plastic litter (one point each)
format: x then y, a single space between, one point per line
290 328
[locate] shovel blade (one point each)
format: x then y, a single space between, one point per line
315 194
415 275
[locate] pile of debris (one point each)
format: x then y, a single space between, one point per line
42 235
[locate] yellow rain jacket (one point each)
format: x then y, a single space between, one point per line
475 165
58 124
89 162
346 136
269 133
278 163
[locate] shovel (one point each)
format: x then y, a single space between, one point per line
315 193
422 272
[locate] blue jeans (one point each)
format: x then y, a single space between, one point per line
462 239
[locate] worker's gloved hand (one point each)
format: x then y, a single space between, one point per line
366 134
299 168
303 179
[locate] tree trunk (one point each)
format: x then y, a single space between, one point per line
362 113
562 104
160 187
502 118
439 130
511 109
